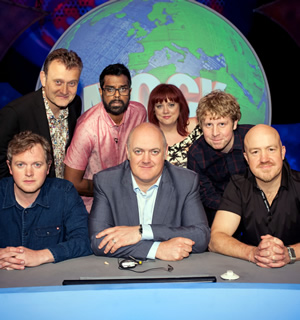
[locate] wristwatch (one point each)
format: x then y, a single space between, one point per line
292 254
141 230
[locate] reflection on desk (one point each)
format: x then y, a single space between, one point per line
258 293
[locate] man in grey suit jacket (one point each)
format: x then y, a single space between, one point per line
52 111
146 207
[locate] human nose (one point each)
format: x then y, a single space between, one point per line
165 109
64 88
146 157
215 131
28 171
117 93
264 157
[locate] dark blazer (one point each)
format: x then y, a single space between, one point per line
178 211
28 113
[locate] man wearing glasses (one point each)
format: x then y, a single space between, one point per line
102 131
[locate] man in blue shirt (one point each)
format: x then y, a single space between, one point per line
146 207
41 219
218 154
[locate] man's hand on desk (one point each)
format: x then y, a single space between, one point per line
12 258
117 237
175 249
9 260
271 253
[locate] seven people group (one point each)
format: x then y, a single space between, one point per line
160 189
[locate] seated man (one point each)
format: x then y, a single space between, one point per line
218 154
41 219
264 203
146 207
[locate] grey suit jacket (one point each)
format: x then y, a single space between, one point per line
178 211
28 113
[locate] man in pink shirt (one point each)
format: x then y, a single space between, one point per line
101 132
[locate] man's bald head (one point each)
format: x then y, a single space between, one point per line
146 128
264 153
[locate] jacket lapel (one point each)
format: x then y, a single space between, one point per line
165 196
129 197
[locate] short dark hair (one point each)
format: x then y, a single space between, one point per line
26 140
69 58
165 92
116 69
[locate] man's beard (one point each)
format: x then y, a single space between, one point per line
116 110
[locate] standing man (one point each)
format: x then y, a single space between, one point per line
41 219
218 154
51 111
264 203
146 207
101 132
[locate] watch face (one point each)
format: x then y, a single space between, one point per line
292 254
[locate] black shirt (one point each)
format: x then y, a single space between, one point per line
282 219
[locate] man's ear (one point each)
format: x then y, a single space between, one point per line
245 156
49 165
235 123
43 78
127 152
166 153
9 167
283 151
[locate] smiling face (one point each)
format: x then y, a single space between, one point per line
218 133
29 170
167 112
264 153
146 152
60 85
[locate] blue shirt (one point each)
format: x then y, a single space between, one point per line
57 220
146 203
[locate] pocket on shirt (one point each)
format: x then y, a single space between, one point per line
47 232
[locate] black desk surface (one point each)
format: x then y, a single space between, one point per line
91 267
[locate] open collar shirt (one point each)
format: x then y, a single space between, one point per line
56 220
98 143
281 219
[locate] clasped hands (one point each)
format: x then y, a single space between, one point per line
271 253
121 236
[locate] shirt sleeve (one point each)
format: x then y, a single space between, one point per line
76 242
81 147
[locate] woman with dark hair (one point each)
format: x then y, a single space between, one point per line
168 109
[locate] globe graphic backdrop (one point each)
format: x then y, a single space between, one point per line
177 41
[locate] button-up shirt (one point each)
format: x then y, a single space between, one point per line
56 220
59 134
98 143
281 219
215 168
146 203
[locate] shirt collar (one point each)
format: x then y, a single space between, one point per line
10 200
110 121
63 113
136 188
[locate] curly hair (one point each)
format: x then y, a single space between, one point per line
218 104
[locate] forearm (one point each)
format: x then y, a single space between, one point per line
139 250
84 187
200 234
227 245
